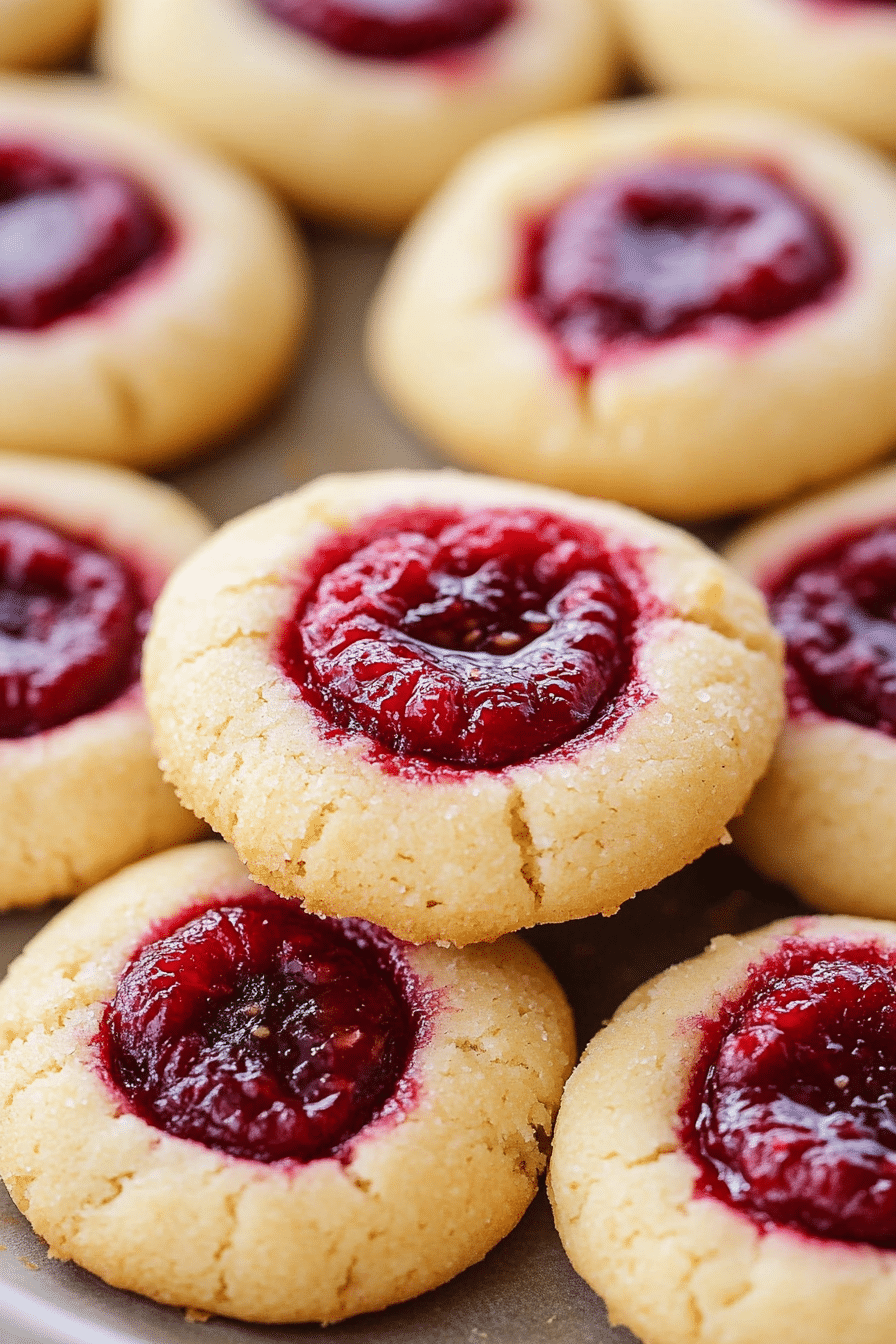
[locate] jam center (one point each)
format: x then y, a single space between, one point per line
257 1029
392 29
71 627
472 639
836 608
792 1115
671 249
70 232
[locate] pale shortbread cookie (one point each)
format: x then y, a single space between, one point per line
687 427
348 138
43 32
467 854
180 353
674 1268
80 800
413 1204
821 819
836 62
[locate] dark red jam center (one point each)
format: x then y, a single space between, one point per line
792 1112
72 621
70 231
257 1029
836 608
392 29
474 639
675 248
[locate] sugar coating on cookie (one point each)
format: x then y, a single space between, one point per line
84 552
723 1160
358 110
819 820
35 33
333 1120
686 306
456 706
150 298
834 60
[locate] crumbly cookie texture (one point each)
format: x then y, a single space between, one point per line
179 353
477 854
820 818
834 63
673 1268
43 32
80 800
415 1202
689 427
346 138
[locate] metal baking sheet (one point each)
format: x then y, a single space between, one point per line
525 1291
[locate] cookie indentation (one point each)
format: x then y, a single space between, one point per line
380 29
257 1029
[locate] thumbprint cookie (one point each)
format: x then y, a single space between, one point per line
216 1099
821 819
834 60
724 1165
84 551
686 306
150 297
456 706
43 32
357 109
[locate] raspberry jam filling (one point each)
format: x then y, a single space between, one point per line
72 622
671 249
792 1112
474 639
384 30
70 232
262 1031
836 608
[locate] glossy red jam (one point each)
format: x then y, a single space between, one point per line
257 1029
672 249
836 608
474 639
386 30
72 621
71 232
792 1112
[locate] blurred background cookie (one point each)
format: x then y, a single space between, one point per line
35 33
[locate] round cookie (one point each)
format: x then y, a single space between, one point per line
820 820
687 306
43 32
457 706
358 110
722 1165
169 305
420 1181
84 551
834 60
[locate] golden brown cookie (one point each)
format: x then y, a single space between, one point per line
84 551
687 306
457 706
150 298
43 32
357 112
330 1119
723 1164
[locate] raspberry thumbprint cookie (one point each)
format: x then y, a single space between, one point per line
689 307
357 109
330 1119
724 1165
457 707
150 297
822 818
43 32
834 60
84 551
